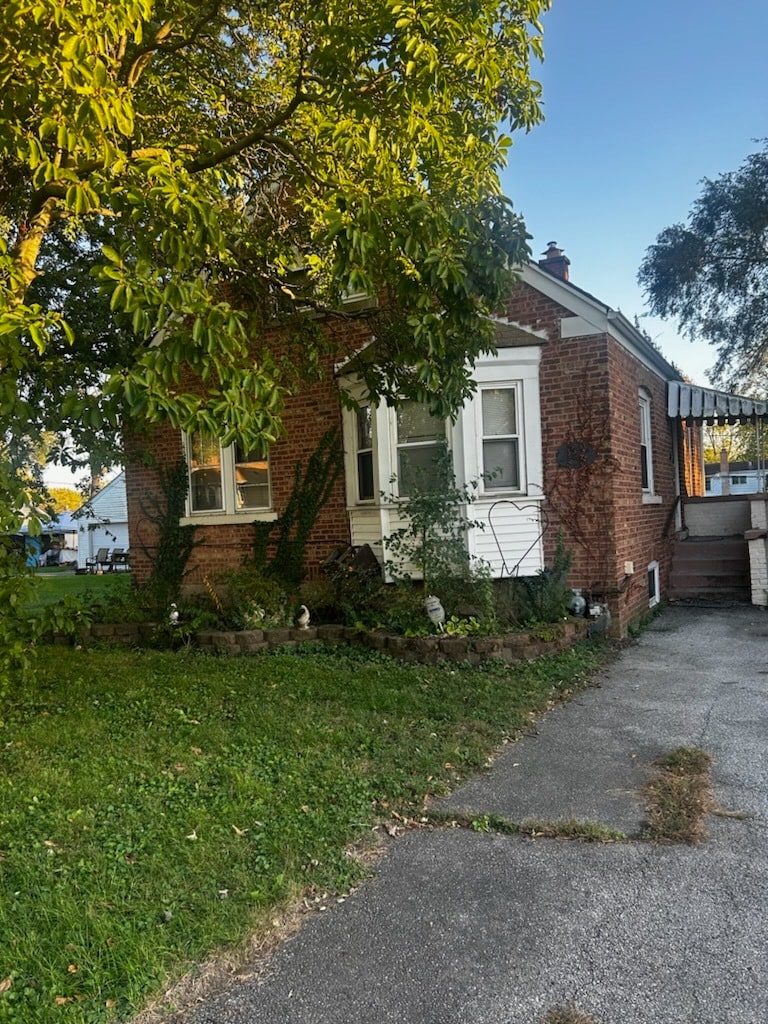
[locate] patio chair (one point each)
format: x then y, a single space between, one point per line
118 559
100 559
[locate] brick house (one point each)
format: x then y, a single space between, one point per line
568 429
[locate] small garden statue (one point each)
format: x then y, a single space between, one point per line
435 611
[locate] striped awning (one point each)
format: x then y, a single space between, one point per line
687 401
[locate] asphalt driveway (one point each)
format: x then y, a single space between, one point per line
458 926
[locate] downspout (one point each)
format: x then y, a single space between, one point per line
760 456
676 464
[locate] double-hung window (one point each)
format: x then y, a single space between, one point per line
646 450
229 480
364 447
421 440
500 416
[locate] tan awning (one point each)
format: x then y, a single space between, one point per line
687 401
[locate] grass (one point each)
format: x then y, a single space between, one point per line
679 797
91 589
156 807
570 828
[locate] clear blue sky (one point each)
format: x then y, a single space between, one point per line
642 100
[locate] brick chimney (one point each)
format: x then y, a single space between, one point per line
555 261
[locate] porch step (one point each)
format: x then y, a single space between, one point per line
710 568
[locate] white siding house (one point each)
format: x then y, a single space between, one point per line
743 478
103 521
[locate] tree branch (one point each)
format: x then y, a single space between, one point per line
141 57
204 163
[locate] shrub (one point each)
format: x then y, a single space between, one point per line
528 600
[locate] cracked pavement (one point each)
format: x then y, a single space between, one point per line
457 926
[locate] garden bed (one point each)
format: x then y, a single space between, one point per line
519 646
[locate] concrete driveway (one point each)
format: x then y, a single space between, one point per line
458 927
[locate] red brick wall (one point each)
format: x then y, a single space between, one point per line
644 532
589 395
227 546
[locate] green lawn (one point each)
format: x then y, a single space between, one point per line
52 586
155 806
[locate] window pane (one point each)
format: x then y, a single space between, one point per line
364 433
644 475
205 492
415 424
500 460
365 475
499 412
251 479
418 469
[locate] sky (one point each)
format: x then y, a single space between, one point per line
642 101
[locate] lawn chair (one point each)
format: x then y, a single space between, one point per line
118 560
100 559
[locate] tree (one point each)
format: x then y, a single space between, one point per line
712 273
64 499
177 177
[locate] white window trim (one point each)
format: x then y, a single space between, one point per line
490 487
230 513
513 366
645 407
355 390
358 451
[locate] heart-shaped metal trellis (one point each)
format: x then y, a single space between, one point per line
541 517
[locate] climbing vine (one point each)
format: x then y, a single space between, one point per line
312 487
175 543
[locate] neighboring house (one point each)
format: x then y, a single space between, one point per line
734 478
102 521
567 430
55 544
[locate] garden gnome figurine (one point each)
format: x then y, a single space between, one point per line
302 620
435 611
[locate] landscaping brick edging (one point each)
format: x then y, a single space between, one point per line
524 646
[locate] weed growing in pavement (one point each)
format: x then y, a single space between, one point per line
571 828
568 1015
679 797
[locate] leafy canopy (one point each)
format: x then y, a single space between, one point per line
177 178
712 273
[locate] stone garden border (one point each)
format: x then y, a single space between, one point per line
511 647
